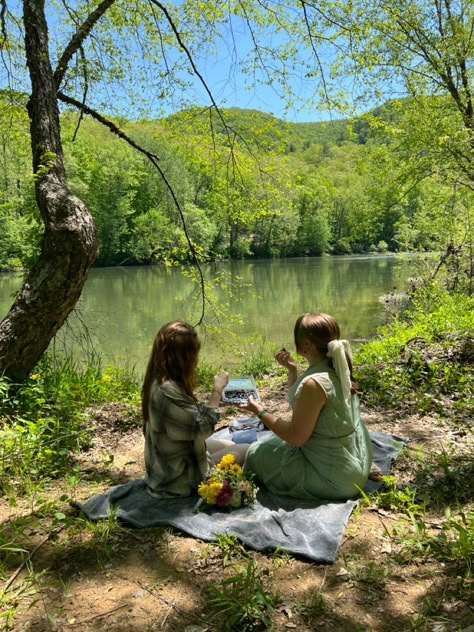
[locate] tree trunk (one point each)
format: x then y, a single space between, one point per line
69 245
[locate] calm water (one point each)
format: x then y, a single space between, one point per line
122 308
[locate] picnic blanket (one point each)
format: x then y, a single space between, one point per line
304 528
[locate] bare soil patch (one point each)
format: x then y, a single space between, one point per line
104 577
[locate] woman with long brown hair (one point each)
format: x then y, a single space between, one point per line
175 425
324 451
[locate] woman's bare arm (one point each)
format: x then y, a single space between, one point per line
306 411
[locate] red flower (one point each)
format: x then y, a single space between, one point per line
224 494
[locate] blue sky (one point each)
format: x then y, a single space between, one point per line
229 84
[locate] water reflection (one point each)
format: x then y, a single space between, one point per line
124 307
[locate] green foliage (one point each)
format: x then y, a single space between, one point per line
205 374
331 194
423 357
230 547
42 420
371 574
255 357
452 544
242 601
280 557
395 497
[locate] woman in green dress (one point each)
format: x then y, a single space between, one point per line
324 451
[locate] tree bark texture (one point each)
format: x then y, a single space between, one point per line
69 247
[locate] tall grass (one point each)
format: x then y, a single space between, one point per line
45 419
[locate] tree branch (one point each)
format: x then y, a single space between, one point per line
315 52
78 38
200 77
153 158
3 22
84 95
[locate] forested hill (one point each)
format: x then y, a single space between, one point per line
270 133
248 185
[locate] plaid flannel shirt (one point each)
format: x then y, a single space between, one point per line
176 458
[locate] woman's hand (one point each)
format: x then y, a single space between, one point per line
252 406
220 381
285 358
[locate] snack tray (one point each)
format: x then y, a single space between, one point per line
239 389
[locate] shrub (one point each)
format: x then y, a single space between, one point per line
424 357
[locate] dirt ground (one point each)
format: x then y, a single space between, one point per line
96 578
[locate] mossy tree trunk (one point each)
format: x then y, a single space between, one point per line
69 247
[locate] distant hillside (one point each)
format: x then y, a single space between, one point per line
259 129
266 132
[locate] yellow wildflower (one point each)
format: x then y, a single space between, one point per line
236 469
202 489
105 378
226 462
212 490
35 376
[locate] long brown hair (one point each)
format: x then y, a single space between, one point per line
320 329
174 357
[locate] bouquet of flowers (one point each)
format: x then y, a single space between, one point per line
227 485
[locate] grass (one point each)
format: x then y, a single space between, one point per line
395 497
44 420
230 548
242 602
451 543
423 361
313 606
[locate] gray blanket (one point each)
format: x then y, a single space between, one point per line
309 529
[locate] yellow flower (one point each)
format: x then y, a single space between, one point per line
236 469
226 462
202 489
208 491
213 490
105 378
35 376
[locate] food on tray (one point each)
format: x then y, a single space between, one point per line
238 390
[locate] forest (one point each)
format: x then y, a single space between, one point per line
289 189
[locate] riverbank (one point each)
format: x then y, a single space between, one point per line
405 562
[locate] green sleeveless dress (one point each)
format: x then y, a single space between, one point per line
335 461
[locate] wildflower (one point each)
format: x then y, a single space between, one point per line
227 485
106 378
235 469
226 462
35 376
224 494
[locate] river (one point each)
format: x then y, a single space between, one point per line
121 308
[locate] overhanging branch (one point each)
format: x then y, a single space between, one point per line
313 47
170 21
84 94
78 39
153 158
